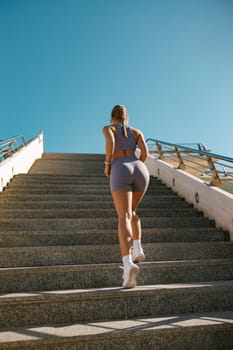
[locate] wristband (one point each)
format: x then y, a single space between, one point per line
107 162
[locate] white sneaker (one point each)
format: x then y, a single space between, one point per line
129 276
138 255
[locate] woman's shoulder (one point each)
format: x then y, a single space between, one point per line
108 128
136 131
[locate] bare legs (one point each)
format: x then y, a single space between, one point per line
136 223
129 225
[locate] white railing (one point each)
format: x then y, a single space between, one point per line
18 160
215 169
9 146
215 203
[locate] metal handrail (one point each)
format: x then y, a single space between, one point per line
216 168
11 145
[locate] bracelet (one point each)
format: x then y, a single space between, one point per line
107 162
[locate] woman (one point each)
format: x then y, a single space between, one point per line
129 179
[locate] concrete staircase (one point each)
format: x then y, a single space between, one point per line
60 281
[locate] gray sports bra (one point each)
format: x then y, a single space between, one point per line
124 143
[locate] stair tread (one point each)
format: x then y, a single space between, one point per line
90 223
93 212
114 328
109 253
109 236
98 231
110 266
115 292
73 276
221 244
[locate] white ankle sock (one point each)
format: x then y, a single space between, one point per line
127 260
137 244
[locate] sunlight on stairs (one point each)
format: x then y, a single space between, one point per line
60 281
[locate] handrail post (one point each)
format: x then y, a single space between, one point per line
180 159
215 177
9 150
23 140
159 148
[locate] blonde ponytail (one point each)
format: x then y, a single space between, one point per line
119 113
124 130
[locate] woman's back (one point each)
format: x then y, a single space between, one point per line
124 143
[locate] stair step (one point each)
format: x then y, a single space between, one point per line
56 307
7 196
79 156
37 179
78 224
96 254
75 204
83 189
168 332
23 179
96 236
92 213
69 182
23 279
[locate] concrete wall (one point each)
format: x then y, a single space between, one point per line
215 203
21 161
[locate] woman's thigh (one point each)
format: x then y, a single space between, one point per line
126 201
123 202
136 199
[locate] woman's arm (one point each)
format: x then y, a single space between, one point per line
142 146
109 147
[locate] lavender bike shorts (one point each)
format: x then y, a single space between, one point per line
130 174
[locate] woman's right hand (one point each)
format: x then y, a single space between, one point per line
107 170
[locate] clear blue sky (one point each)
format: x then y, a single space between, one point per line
65 63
